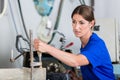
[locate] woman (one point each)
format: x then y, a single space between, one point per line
94 58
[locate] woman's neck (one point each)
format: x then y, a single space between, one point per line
85 39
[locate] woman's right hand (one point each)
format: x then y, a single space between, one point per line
39 46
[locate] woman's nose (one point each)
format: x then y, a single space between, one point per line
77 26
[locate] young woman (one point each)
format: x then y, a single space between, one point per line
94 58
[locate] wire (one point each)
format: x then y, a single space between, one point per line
4 8
57 20
12 17
22 19
17 42
92 3
82 2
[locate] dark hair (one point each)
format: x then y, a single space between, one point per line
85 11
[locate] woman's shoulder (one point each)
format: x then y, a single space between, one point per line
95 37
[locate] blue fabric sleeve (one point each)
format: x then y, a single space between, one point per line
94 54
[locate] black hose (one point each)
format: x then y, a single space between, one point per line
17 43
23 19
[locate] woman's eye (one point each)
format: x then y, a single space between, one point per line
81 22
73 22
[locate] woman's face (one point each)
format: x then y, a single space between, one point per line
81 27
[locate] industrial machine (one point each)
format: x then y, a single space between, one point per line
46 20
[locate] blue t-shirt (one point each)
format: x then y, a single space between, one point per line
100 67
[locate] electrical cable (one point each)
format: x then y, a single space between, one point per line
13 19
92 3
57 20
4 8
21 50
82 2
19 5
17 41
15 26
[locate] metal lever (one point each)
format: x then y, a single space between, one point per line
32 63
40 59
31 55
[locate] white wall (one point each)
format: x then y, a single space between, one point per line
109 9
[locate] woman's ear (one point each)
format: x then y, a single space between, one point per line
92 23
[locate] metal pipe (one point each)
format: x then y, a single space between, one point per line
31 55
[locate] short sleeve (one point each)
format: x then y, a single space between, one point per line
94 55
